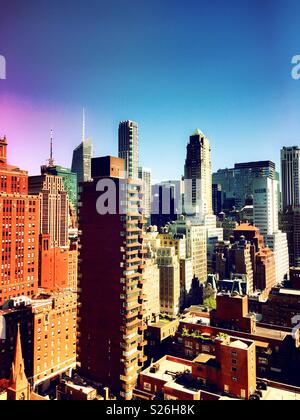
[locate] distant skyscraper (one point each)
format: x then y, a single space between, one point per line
82 157
266 213
290 174
129 147
217 198
166 202
265 205
145 176
198 176
54 207
69 179
237 183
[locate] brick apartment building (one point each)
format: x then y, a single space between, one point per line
19 229
230 371
111 327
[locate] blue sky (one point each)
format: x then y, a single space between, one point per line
221 65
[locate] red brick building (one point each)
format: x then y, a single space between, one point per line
19 229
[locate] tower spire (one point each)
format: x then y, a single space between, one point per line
51 160
19 388
83 124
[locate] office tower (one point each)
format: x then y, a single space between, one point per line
54 207
196 246
169 271
167 202
111 295
69 179
19 213
289 223
54 221
129 147
265 205
82 157
198 176
290 175
217 198
237 183
266 211
145 176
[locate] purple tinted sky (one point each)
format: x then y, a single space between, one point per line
172 65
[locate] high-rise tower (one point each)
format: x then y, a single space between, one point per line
82 157
290 174
111 278
198 176
129 147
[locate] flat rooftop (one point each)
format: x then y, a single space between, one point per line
275 394
168 368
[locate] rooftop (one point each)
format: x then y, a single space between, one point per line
168 368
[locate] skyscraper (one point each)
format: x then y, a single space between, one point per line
111 280
290 174
145 176
129 147
82 156
266 214
237 182
69 179
54 222
19 232
198 176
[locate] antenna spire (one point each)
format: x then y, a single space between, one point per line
51 160
83 124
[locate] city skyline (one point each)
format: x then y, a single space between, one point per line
242 89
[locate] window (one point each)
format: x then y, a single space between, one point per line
147 387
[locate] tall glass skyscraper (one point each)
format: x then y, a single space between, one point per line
290 172
81 163
129 147
198 175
